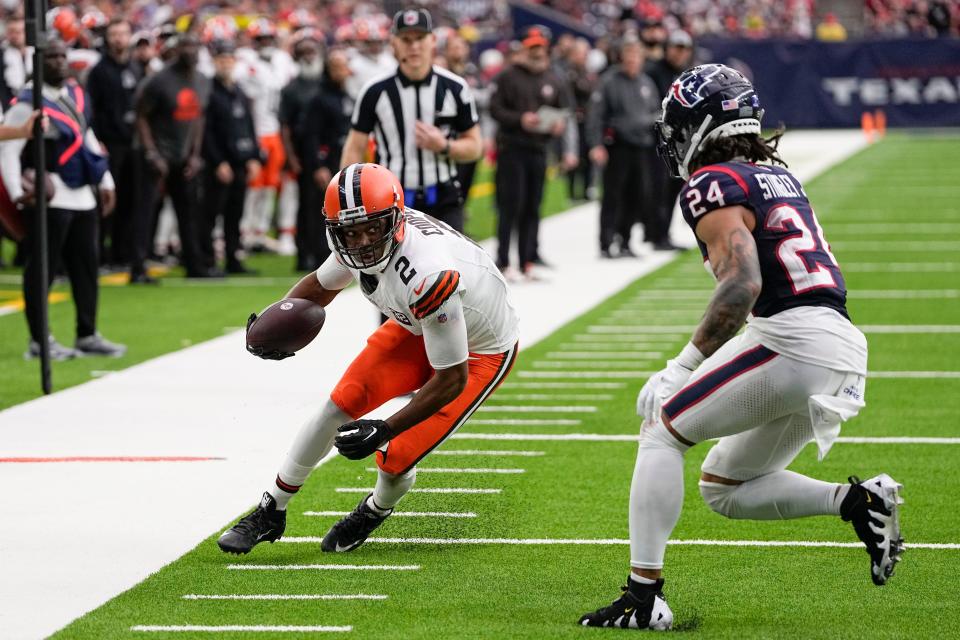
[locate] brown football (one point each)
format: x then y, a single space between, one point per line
288 325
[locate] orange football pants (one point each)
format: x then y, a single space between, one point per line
269 176
394 363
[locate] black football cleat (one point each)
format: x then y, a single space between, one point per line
872 507
352 531
263 524
640 606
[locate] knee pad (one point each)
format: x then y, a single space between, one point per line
718 497
351 397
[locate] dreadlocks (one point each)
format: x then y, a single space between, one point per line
749 146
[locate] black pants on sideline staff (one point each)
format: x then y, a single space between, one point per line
465 175
183 193
519 182
117 226
665 191
448 206
312 248
74 241
222 201
627 194
583 174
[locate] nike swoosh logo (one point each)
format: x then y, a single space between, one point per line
263 535
420 288
695 181
338 548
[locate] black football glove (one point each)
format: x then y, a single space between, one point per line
270 354
360 438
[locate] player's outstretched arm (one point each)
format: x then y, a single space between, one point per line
733 257
309 288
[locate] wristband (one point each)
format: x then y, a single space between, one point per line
689 357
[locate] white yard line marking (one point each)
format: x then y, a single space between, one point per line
401 514
563 385
323 567
255 628
591 364
585 397
486 452
283 596
906 375
652 340
614 355
605 345
626 437
903 294
534 409
585 374
909 328
520 422
896 246
422 490
463 470
901 267
879 228
619 541
644 331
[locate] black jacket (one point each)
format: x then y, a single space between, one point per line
112 86
327 126
623 110
229 135
518 90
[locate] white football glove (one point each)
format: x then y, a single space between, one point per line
667 382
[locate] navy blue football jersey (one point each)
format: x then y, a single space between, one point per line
796 264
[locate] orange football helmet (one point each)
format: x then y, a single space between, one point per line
364 200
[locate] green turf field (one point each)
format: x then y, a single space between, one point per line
179 312
875 208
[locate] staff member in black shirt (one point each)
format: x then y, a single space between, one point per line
170 134
324 136
424 119
230 155
112 84
620 130
521 90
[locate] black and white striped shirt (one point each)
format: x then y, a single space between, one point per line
389 105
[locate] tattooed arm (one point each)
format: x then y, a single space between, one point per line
733 256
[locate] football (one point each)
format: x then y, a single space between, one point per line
288 325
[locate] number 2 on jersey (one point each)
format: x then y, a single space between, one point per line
792 251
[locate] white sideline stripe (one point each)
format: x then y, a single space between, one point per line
866 328
903 294
240 627
905 375
283 596
531 409
621 541
519 422
614 355
400 514
896 246
586 397
585 374
323 567
464 470
563 385
429 490
487 452
901 267
624 437
590 364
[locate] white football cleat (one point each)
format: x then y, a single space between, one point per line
872 507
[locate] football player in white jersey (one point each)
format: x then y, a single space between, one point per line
451 338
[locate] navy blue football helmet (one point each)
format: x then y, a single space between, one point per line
706 102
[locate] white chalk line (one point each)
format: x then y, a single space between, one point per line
563 385
283 596
400 514
256 628
487 452
897 375
519 422
473 470
896 246
584 397
613 355
627 437
464 490
901 267
866 328
592 364
323 567
536 409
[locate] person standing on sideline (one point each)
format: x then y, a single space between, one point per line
16 62
170 138
456 51
522 140
677 56
620 131
112 85
230 155
324 136
424 120
76 168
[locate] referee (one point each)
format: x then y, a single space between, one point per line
424 120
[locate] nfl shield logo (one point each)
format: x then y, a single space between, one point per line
441 318
410 17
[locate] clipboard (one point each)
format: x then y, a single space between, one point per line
549 116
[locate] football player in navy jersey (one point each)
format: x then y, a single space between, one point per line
790 378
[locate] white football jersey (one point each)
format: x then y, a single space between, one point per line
262 81
432 264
